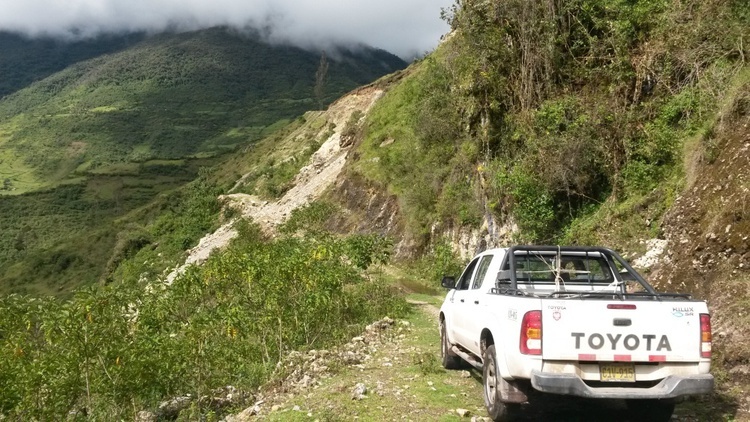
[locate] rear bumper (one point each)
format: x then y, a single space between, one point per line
670 387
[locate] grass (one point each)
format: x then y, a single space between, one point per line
137 123
20 177
404 381
392 118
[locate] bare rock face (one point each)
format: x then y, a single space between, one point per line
367 208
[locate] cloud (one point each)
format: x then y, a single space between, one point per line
403 27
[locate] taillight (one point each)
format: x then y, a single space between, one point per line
705 336
531 333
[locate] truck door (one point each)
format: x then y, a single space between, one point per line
460 306
473 317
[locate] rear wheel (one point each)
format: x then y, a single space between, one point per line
450 359
492 380
652 410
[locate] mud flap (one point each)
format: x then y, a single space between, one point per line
509 393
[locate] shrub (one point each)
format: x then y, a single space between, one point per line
532 205
111 351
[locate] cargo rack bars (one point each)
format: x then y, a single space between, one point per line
608 254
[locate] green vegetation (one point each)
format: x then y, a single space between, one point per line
111 351
99 136
62 238
578 121
168 97
546 113
25 61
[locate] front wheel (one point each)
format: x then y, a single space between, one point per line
450 360
652 410
491 379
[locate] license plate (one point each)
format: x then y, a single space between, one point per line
617 372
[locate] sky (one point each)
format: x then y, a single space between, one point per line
403 27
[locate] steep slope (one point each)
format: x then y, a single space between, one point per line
588 122
585 122
318 174
708 238
85 146
168 97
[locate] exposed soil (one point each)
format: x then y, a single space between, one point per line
708 251
311 182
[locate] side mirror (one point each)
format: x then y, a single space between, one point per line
449 282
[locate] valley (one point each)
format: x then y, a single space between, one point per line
135 118
178 217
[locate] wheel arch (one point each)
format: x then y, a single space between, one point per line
485 340
488 338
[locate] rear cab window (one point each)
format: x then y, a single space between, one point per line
573 268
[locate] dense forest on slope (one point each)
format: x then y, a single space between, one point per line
170 96
553 115
104 136
26 60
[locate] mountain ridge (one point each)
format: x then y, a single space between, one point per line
113 132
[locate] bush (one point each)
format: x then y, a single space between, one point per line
439 262
114 350
532 205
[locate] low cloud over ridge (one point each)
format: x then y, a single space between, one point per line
402 27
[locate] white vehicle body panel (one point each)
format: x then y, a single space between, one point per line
582 331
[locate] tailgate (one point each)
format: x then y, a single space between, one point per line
613 330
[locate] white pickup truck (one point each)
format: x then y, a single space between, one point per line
574 321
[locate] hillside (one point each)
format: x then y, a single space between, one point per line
586 122
85 145
623 124
170 96
27 60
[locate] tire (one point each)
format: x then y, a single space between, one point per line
652 410
491 381
449 359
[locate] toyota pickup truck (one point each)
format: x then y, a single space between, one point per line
576 321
